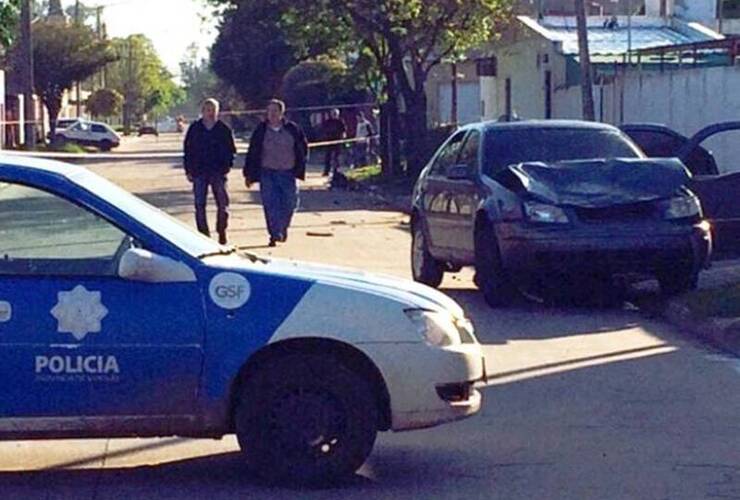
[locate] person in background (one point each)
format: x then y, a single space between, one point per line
277 157
363 133
209 155
334 130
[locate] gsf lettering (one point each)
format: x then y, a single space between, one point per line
230 291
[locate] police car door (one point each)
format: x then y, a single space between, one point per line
77 340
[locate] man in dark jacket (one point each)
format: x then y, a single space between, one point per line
277 156
334 130
209 155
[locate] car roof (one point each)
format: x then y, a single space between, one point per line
540 124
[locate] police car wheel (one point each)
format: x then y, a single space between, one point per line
306 419
425 268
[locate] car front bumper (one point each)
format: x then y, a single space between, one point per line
429 385
614 249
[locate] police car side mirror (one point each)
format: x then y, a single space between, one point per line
138 264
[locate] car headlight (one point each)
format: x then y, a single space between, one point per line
436 328
541 212
681 207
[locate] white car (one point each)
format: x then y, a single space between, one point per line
86 133
117 320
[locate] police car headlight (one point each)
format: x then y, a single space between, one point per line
437 329
681 207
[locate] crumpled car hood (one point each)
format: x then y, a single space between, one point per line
597 183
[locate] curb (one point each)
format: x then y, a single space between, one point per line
723 333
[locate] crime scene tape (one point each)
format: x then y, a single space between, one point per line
56 155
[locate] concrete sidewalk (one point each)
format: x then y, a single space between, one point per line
721 332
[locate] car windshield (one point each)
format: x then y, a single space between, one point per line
171 229
513 146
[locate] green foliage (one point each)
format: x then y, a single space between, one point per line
315 83
9 14
62 55
251 52
141 78
105 102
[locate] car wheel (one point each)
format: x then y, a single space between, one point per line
678 281
106 145
306 419
424 268
490 275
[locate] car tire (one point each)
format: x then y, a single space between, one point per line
678 281
424 268
490 275
306 419
106 145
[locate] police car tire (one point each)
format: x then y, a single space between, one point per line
266 399
429 271
678 281
490 276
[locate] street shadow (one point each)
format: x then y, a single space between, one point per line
529 318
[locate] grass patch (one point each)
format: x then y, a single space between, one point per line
369 174
721 302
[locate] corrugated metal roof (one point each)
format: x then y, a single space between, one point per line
645 33
615 41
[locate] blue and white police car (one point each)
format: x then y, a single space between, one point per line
117 320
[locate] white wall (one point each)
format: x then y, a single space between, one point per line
685 100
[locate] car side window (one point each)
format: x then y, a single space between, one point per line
46 235
469 152
448 156
99 129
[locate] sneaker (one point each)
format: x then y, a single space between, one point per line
222 239
272 243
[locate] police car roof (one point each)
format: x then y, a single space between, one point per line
41 165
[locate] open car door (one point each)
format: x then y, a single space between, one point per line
717 186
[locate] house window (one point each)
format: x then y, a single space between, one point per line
487 66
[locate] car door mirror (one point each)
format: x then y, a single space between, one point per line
137 264
458 172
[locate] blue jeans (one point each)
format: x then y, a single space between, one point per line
218 183
279 191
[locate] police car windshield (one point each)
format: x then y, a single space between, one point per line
169 228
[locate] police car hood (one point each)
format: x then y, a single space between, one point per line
409 293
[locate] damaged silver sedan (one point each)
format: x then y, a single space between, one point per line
554 202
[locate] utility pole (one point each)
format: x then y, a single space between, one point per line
629 31
587 88
78 86
27 74
453 106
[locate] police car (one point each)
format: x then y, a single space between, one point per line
117 320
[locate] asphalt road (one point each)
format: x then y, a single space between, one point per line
582 402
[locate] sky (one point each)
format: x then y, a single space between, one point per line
172 25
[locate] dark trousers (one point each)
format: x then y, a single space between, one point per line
331 158
279 191
218 184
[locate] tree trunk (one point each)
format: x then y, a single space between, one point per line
587 88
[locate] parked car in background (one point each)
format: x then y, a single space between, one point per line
148 130
63 123
716 185
533 202
86 133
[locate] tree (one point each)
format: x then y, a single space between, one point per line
9 14
141 78
62 55
251 52
104 102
